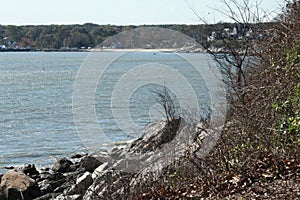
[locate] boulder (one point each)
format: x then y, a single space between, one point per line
82 184
90 163
156 135
54 180
75 156
62 165
17 185
84 181
43 176
29 170
46 188
99 170
94 190
117 153
110 185
99 185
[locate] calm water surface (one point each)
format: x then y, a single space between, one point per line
36 119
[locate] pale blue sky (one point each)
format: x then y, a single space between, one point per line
119 12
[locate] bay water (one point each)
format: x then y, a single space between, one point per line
36 94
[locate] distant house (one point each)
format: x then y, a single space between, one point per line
2 46
226 32
235 31
215 35
249 33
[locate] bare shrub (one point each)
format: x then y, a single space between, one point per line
264 99
164 98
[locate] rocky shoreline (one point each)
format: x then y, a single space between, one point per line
102 175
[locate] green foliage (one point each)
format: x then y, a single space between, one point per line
293 55
288 131
57 36
88 35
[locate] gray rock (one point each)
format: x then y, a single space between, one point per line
110 185
99 170
90 163
61 197
29 170
117 153
78 156
62 165
76 197
68 197
84 182
59 189
156 135
72 190
46 188
97 186
44 175
47 196
57 183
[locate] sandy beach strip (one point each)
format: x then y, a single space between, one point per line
132 50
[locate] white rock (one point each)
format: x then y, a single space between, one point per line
68 197
99 170
84 182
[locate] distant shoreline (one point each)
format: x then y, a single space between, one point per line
43 50
134 50
167 50
16 50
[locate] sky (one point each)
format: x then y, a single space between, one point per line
118 12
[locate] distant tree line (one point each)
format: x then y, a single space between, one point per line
86 35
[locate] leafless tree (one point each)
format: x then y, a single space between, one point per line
235 51
163 97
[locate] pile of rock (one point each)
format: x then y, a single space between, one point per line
67 177
97 176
